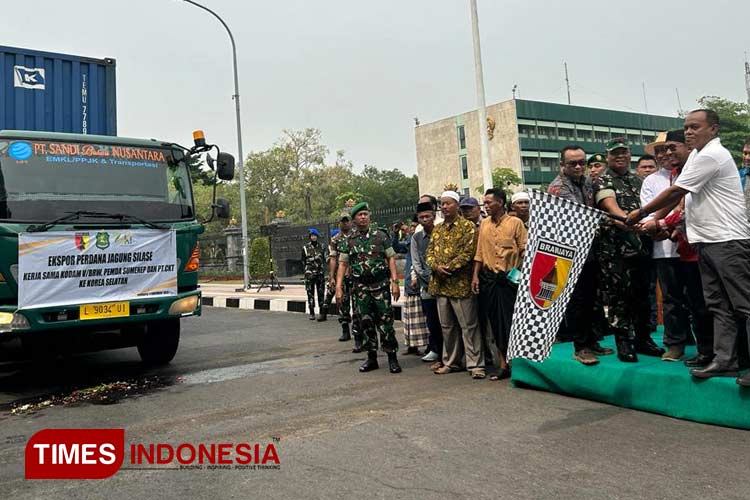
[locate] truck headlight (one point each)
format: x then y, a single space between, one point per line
13 321
184 306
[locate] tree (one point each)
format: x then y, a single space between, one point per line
735 122
505 178
198 173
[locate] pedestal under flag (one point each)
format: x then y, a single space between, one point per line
560 236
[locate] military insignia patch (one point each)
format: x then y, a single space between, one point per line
102 240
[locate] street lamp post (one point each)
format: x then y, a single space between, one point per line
236 97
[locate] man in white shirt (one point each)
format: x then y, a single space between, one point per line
667 263
718 227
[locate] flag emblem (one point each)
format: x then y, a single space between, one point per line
549 272
82 241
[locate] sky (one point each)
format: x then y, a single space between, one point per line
360 71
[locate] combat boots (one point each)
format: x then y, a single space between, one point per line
322 316
625 349
345 335
393 365
357 345
371 363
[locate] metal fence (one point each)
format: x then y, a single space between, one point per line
213 248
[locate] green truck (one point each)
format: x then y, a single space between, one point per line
99 241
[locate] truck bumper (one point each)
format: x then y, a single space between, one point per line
67 317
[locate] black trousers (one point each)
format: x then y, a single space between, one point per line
725 274
702 319
577 325
435 340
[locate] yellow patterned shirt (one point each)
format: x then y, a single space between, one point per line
453 246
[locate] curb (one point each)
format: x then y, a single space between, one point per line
277 305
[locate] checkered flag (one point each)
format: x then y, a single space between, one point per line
560 236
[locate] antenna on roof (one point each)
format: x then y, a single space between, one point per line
645 102
567 81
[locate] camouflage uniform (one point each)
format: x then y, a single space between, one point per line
334 249
314 259
367 255
624 257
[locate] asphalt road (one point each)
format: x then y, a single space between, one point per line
247 376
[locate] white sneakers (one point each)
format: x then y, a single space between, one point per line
429 357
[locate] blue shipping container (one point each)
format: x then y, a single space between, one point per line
57 92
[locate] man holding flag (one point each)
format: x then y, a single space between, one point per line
577 324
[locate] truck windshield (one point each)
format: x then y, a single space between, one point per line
42 180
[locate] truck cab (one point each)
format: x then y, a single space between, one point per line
98 242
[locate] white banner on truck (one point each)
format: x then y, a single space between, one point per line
62 268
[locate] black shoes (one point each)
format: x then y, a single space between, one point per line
357 345
699 361
371 363
312 316
648 347
393 365
626 351
597 349
714 369
345 335
744 380
413 350
323 313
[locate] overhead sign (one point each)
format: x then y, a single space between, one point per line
69 267
28 78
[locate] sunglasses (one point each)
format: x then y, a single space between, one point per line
572 164
671 147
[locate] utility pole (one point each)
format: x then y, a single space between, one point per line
645 102
485 142
567 81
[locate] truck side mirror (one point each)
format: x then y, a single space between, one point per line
222 208
225 166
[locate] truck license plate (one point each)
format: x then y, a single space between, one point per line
105 310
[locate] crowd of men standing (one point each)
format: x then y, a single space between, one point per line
680 220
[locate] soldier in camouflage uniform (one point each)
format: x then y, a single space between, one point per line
369 254
624 257
314 259
344 307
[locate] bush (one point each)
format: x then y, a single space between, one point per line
260 258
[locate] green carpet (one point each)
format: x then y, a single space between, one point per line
650 385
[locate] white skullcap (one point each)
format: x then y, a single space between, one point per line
450 194
519 196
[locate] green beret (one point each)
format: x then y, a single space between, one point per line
362 205
597 158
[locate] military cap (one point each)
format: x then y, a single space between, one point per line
616 143
597 158
362 205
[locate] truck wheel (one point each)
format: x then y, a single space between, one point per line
159 342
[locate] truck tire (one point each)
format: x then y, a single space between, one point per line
159 342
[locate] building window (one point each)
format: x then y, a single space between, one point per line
548 164
634 139
461 137
546 132
601 136
648 137
527 130
467 191
585 135
464 168
530 163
